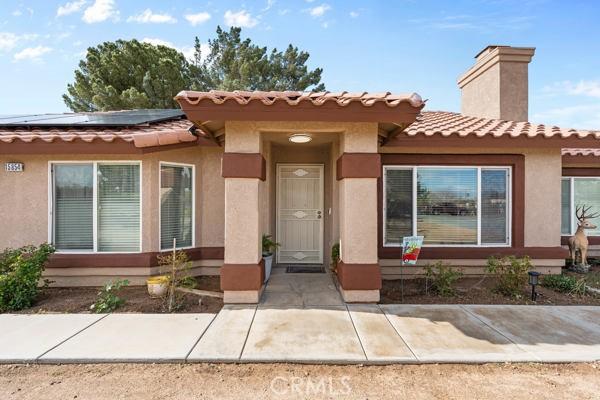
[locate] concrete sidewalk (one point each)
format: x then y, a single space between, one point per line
367 334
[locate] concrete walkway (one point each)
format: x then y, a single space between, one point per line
368 334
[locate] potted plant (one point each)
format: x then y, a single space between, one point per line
158 286
268 248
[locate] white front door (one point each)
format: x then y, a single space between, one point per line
300 213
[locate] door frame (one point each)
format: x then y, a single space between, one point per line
322 204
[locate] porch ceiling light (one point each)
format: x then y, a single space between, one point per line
300 138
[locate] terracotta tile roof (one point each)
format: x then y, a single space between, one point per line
146 135
442 123
581 152
294 98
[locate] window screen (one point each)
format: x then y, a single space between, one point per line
118 208
176 206
73 206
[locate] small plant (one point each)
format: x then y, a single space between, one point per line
269 245
442 277
20 274
335 256
108 299
176 266
511 273
565 284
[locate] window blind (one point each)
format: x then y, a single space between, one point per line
494 204
118 207
447 205
73 206
176 206
399 205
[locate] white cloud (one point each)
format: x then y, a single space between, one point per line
32 53
241 18
100 11
583 116
187 51
148 17
589 88
354 14
70 8
198 18
17 13
9 40
319 11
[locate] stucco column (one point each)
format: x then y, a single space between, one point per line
358 169
243 168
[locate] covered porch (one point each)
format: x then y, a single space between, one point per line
308 196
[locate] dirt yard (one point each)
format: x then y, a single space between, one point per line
79 300
476 291
285 381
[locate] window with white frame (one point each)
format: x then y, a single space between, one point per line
579 191
96 206
449 206
176 205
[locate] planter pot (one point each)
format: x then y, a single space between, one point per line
158 286
268 265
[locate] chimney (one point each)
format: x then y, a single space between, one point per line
497 85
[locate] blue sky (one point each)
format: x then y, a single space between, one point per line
396 46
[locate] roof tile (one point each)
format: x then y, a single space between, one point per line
443 123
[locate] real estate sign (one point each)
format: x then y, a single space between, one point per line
411 247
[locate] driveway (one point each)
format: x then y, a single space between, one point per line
362 334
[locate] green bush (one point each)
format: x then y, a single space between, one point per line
442 278
108 300
20 274
564 284
335 256
511 273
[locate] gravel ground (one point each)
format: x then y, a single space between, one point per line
286 381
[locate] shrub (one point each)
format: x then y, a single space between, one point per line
176 266
335 256
108 300
564 284
511 273
20 274
442 278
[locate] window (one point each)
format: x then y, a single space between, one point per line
176 206
578 192
96 207
449 206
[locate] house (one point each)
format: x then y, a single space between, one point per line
112 190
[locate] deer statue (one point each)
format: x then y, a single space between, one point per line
579 241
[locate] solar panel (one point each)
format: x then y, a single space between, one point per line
109 118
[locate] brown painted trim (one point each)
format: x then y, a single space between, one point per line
359 276
516 161
304 111
142 260
244 165
594 240
243 276
475 253
570 159
117 146
581 171
358 165
420 140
